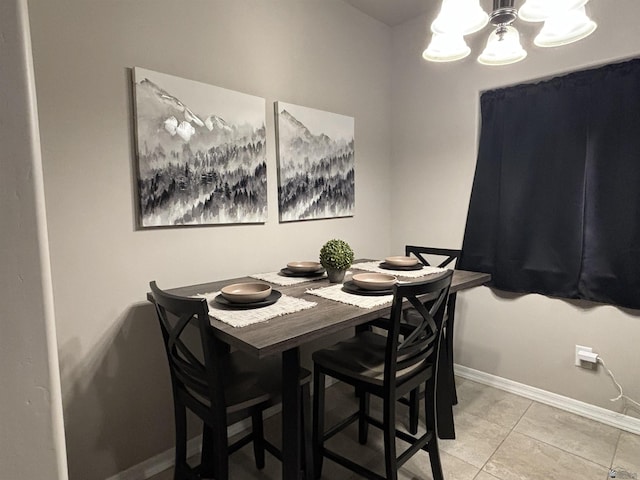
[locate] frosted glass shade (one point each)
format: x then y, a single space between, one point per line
460 16
564 28
446 48
541 10
503 48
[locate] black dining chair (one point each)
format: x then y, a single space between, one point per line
220 387
435 257
388 366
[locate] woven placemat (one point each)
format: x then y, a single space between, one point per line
278 279
243 317
375 267
336 293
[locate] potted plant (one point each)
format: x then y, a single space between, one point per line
336 256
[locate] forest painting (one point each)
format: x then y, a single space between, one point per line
201 152
315 163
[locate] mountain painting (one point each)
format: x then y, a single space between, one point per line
201 152
315 163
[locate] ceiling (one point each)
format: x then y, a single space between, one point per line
392 12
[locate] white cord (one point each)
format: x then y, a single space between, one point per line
622 395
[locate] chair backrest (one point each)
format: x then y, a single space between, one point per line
420 252
194 363
412 348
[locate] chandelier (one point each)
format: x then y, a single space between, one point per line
565 21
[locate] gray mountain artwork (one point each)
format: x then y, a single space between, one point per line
194 165
315 170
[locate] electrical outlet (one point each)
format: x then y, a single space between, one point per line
579 348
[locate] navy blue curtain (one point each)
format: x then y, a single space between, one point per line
555 204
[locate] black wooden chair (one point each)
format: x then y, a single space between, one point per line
436 257
218 386
388 366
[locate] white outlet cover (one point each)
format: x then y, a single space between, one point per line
580 348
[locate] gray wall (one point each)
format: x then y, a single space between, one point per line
531 338
31 433
321 54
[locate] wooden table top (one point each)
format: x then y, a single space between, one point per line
295 329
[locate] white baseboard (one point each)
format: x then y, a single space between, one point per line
599 414
164 460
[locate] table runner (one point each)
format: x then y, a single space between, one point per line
374 267
243 317
336 293
277 279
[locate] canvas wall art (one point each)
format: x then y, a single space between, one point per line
201 152
315 163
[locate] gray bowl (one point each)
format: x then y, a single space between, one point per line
246 292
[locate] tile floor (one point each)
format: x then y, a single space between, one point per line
500 436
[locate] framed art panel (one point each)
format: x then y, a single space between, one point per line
315 163
201 152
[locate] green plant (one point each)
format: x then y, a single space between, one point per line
336 254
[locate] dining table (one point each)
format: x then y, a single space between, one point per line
285 335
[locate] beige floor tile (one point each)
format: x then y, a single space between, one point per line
496 406
476 439
523 458
242 466
166 475
346 443
419 468
339 392
627 454
589 439
460 380
481 427
485 476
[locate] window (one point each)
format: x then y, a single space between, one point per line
555 205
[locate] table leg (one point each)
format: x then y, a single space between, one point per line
444 403
446 390
451 309
291 415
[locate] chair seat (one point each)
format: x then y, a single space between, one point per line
360 359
